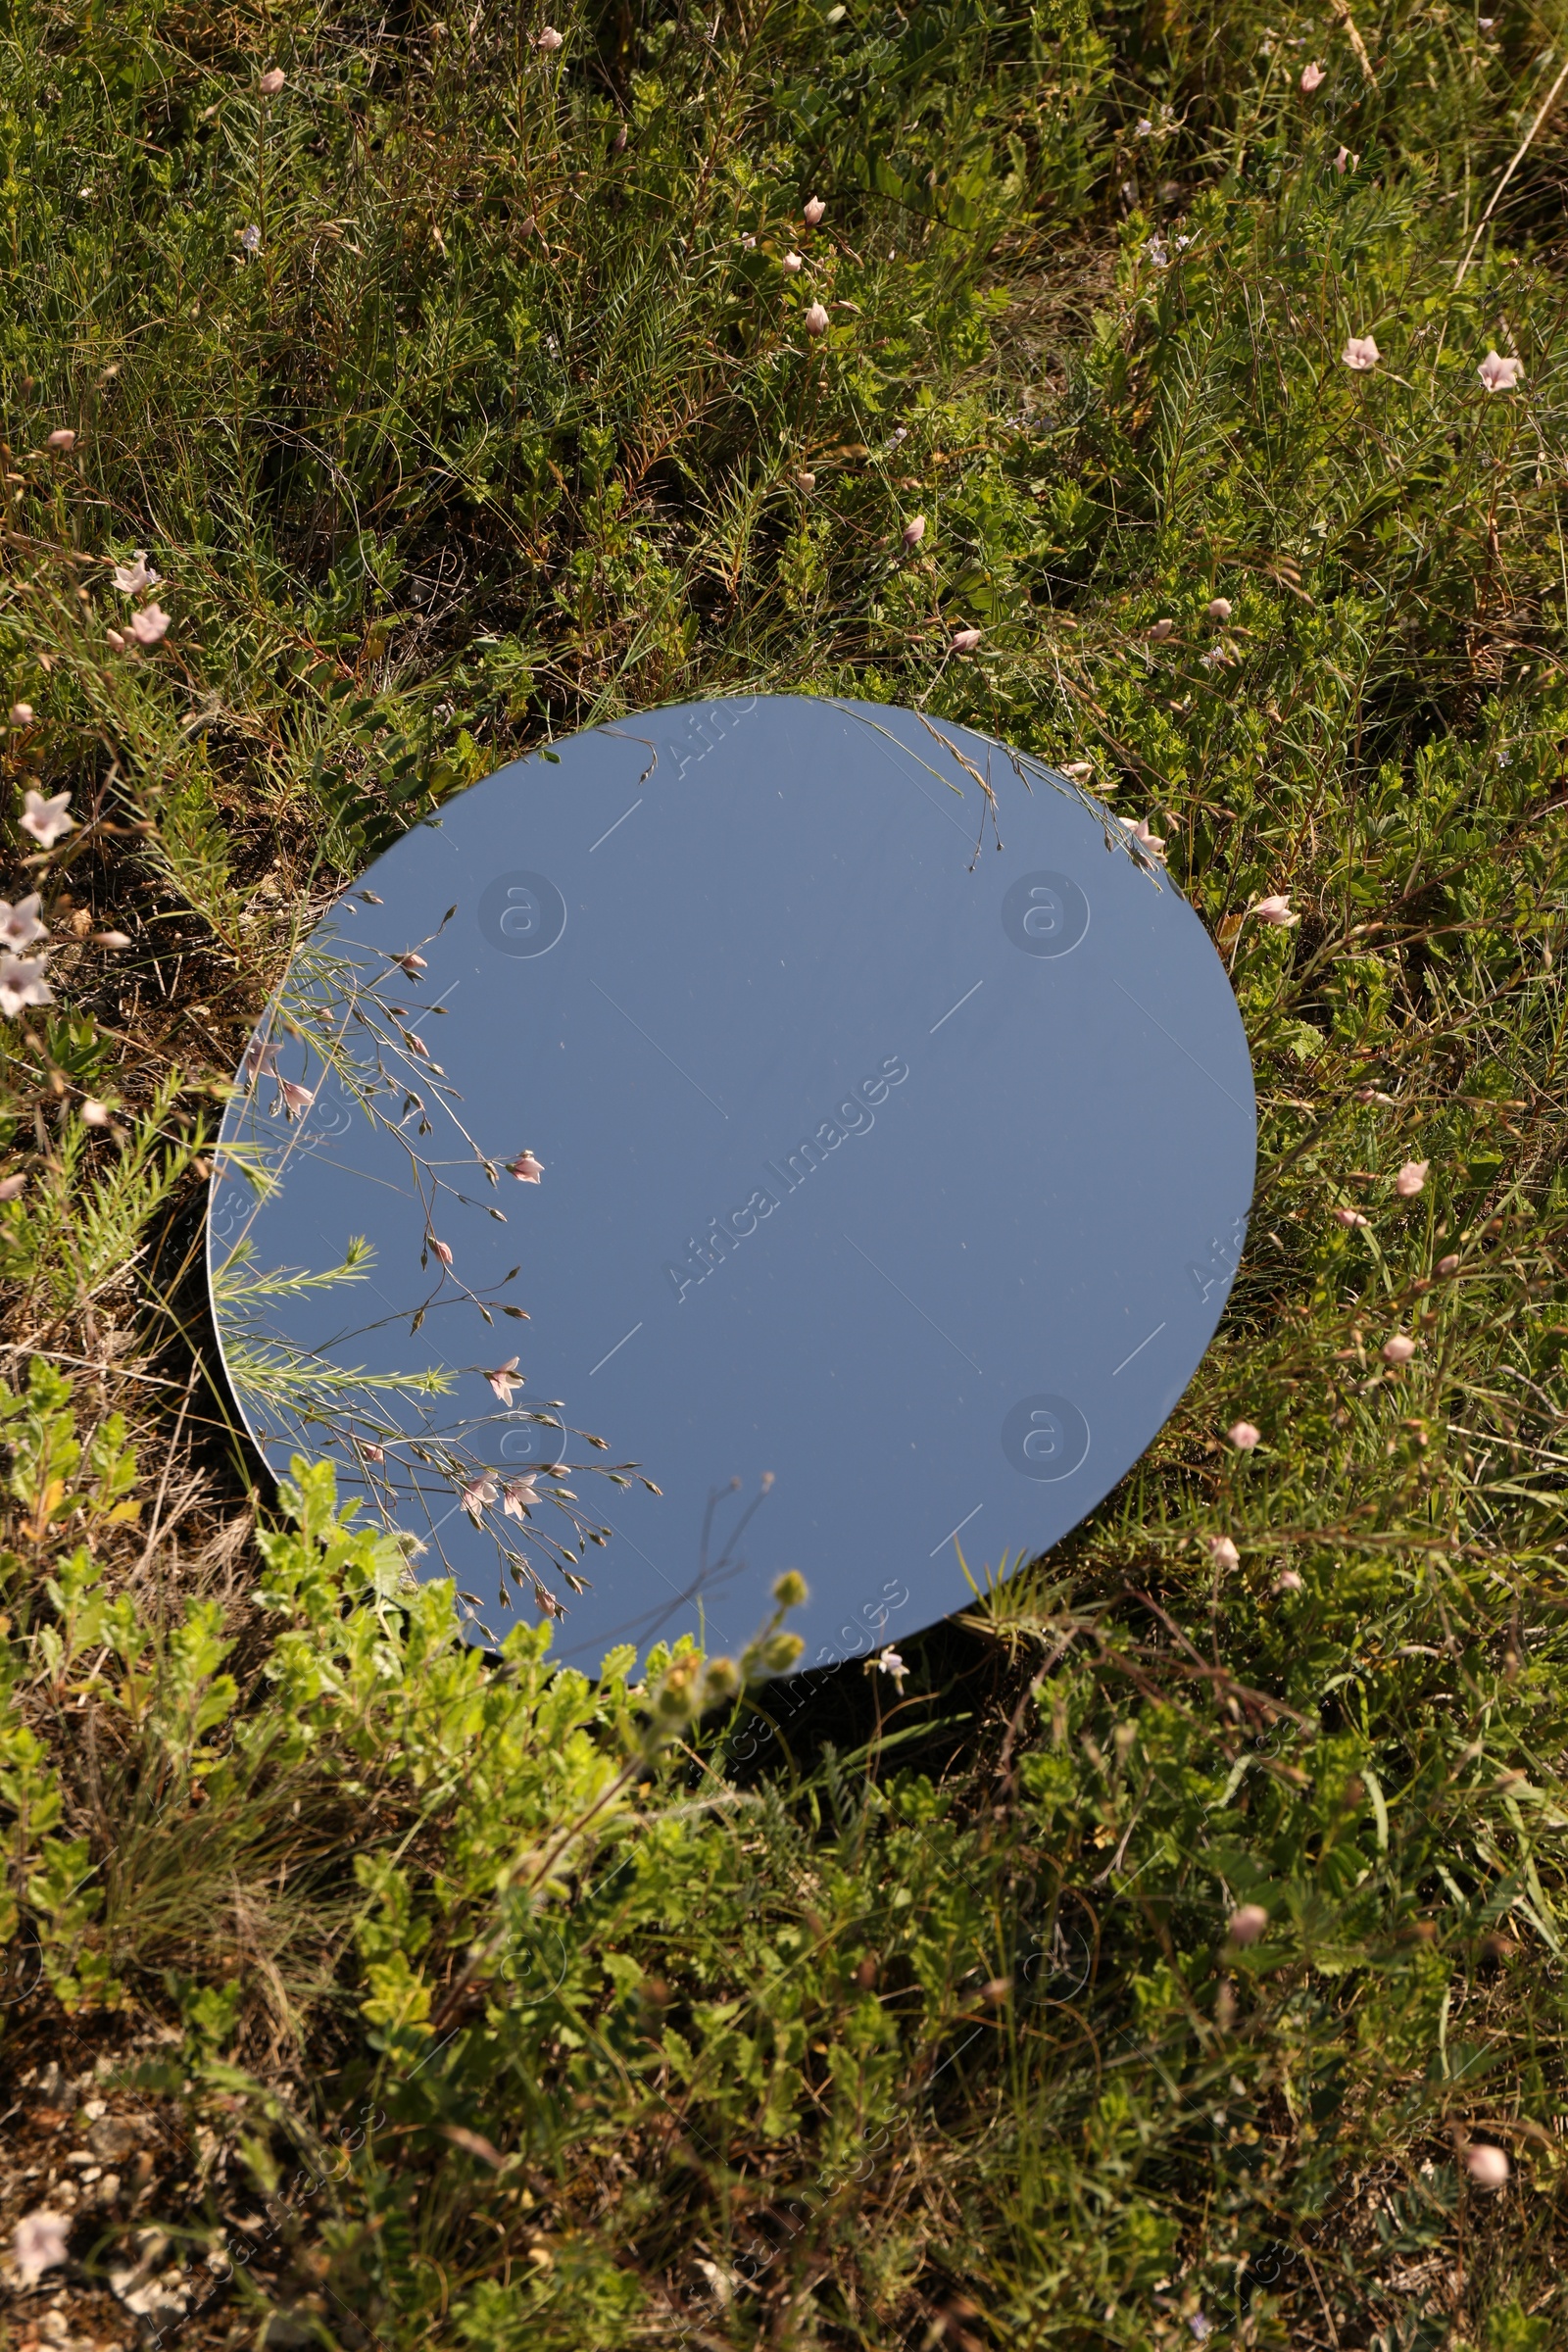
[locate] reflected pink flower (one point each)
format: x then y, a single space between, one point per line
1411 1177
441 1250
505 1378
11 1186
1361 354
18 924
22 984
477 1493
816 319
791 262
295 1098
1312 78
812 211
915 531
271 81
964 641
1487 2166
21 714
1247 1923
1348 1217
1399 1349
46 820
63 439
1275 910
1244 1437
1499 374
132 578
1222 1551
525 1168
150 625
39 2244
517 1496
1145 842
261 1057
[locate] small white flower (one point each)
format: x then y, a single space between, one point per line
21 714
21 982
1348 1218
915 531
1155 250
1247 1923
504 1379
1222 1551
132 577
890 1662
816 319
1499 374
18 924
517 1496
1399 1349
813 210
792 262
39 2244
1275 910
149 624
550 40
1411 1177
1143 127
46 820
964 641
295 1098
1487 2167
479 1491
1312 78
1361 354
271 81
1244 1437
63 439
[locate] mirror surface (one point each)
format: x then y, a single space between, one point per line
833 1112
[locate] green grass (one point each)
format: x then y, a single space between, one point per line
470 2005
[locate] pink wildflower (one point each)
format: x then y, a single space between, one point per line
1361 354
149 624
964 641
550 40
792 262
1145 842
813 210
477 1493
39 2244
1222 1551
1218 609
46 820
1244 1437
18 924
1499 374
1487 2166
64 439
1247 1923
1412 1178
915 531
525 1168
1399 1349
441 1250
132 577
21 714
271 81
1312 78
1288 1581
504 1379
1275 910
260 1058
1348 1217
1160 628
295 1098
816 319
11 1186
517 1496
96 1114
22 984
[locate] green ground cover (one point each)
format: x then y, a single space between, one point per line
461 392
